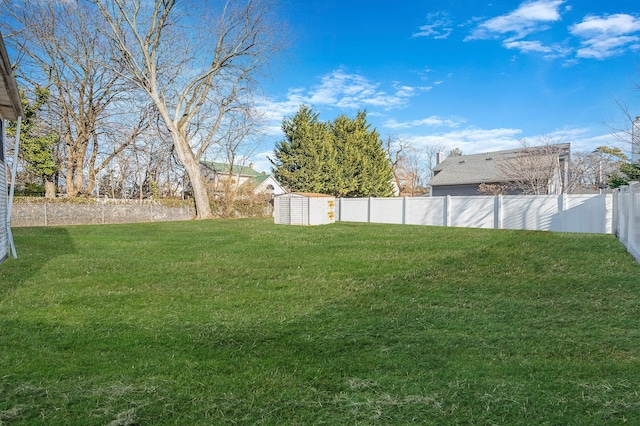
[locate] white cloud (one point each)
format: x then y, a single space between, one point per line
553 51
345 90
439 26
528 18
273 111
470 140
261 163
527 46
618 24
337 89
605 36
433 121
584 139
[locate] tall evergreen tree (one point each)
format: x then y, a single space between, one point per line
305 158
629 172
344 158
363 164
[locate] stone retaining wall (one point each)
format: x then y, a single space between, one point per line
51 214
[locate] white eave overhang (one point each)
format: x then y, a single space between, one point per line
10 104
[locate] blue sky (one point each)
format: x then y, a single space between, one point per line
470 74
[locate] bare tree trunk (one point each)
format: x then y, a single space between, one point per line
189 162
50 189
199 81
192 166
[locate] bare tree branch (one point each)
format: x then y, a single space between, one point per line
211 79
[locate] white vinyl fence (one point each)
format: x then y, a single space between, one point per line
562 213
626 217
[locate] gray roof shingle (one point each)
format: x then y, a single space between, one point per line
480 168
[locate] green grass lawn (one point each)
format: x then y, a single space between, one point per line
246 322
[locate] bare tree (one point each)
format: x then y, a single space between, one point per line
589 170
195 69
493 189
455 152
412 167
430 157
236 147
397 152
535 170
62 49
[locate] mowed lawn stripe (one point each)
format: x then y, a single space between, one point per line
246 322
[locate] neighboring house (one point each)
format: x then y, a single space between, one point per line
464 174
242 178
10 109
264 184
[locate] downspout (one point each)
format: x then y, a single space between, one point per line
14 170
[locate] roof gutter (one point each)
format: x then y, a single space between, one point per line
10 82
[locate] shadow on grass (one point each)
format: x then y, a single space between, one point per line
361 360
36 247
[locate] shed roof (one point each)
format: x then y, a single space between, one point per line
10 104
484 167
307 194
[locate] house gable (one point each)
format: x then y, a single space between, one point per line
245 178
464 174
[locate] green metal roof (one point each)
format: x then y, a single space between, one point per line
223 168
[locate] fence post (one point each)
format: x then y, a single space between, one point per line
447 210
632 238
624 213
369 211
497 212
46 219
404 210
615 212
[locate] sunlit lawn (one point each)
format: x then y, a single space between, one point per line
246 322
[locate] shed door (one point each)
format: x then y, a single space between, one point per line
298 209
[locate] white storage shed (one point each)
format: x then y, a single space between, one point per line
305 209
